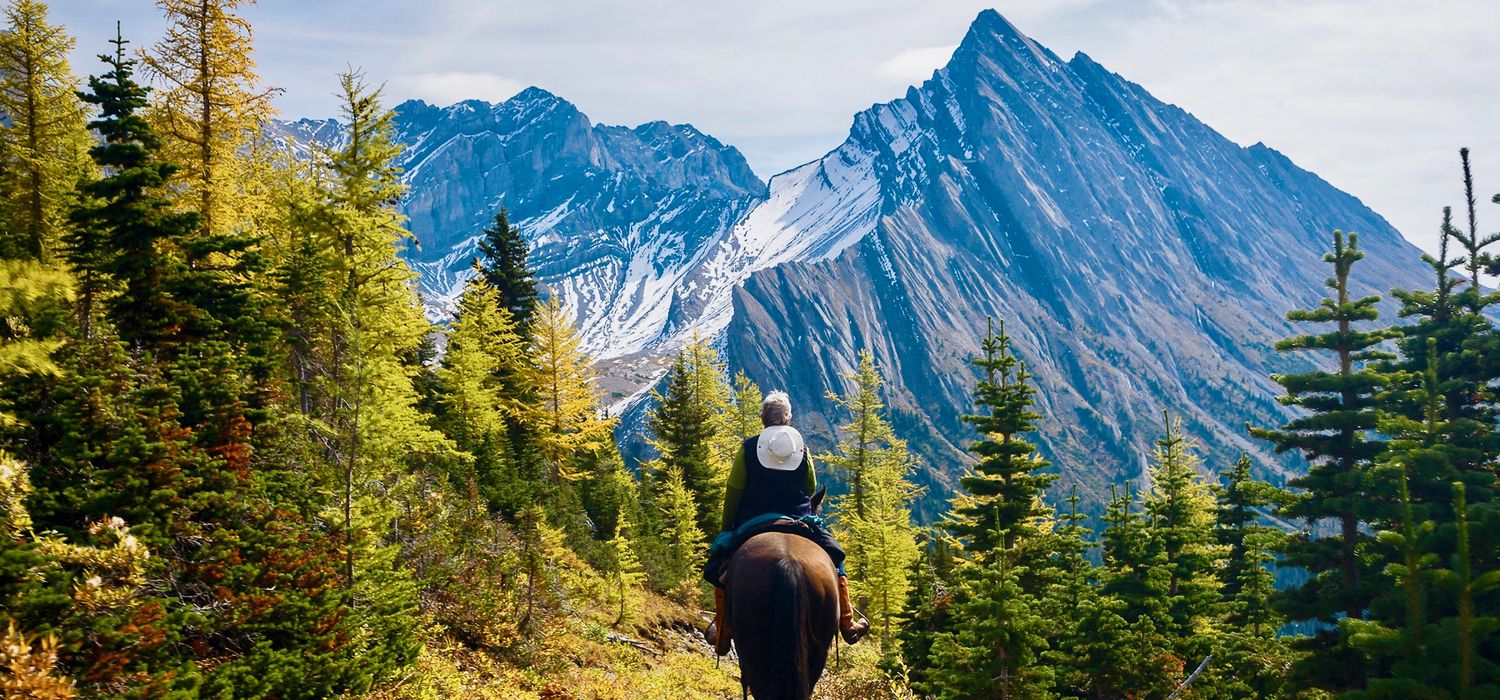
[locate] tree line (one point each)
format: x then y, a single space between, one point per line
234 462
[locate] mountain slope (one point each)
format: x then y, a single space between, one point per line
1142 261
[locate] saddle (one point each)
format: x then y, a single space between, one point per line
728 541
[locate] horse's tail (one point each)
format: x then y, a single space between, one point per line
789 656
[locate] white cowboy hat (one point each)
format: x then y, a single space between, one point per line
780 448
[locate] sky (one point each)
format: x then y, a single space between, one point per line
1375 96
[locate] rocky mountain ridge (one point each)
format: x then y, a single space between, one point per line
1143 262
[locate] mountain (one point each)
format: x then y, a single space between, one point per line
618 218
1142 262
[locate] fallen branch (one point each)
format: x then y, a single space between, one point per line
622 639
1187 681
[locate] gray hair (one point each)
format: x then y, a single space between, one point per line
776 409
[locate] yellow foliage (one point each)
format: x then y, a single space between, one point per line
567 418
855 674
26 288
43 142
26 668
210 104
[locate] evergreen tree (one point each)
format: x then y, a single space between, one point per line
89 595
1134 609
567 421
927 611
542 587
627 576
1421 624
1448 365
1004 488
1452 328
999 635
126 231
686 426
866 432
376 432
211 104
1335 435
1078 660
1245 584
680 534
505 269
43 141
250 576
482 342
301 255
882 537
1180 515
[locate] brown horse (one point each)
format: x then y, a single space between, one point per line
783 610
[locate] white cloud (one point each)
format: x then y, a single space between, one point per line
446 88
915 65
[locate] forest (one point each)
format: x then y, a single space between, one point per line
236 460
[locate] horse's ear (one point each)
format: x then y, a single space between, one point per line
817 499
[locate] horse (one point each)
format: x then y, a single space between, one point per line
783 610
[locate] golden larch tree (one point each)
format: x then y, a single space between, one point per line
567 418
209 105
44 141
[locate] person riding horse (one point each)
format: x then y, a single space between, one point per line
773 474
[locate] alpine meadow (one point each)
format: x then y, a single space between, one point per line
1034 386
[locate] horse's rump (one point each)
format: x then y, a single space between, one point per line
783 607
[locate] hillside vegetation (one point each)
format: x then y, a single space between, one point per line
234 464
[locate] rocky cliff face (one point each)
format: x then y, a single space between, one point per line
1141 261
617 217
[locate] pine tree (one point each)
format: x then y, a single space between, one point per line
1134 610
1245 584
211 104
125 230
482 342
1004 488
300 253
168 430
1335 436
567 422
927 610
1414 639
43 141
505 269
686 429
1452 328
881 541
1473 669
995 648
866 432
627 575
542 588
683 539
376 432
1448 361
1180 515
1078 660
90 593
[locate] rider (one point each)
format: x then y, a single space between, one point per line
773 473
